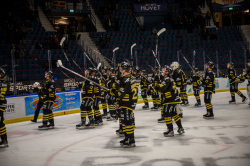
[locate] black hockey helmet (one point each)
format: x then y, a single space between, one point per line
105 68
231 64
136 69
180 66
144 71
50 73
2 72
210 64
94 70
196 70
168 69
112 70
126 66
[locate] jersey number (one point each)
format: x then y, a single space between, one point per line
135 93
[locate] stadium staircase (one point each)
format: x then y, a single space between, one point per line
91 48
44 21
245 32
99 26
204 11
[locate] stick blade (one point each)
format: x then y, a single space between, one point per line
59 63
63 39
99 65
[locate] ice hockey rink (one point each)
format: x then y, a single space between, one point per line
224 141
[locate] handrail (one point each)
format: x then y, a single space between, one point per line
92 18
211 11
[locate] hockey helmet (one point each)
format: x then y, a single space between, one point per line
144 71
126 66
2 72
174 65
36 84
196 70
136 69
94 70
231 64
210 64
112 70
168 69
50 73
105 68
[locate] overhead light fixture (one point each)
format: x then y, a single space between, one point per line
64 18
56 23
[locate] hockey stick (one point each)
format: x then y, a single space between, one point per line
114 59
67 76
61 42
132 52
108 60
95 65
157 62
212 61
149 65
186 60
59 64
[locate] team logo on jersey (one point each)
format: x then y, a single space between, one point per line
58 103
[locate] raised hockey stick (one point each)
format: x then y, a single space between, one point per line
132 52
149 65
67 76
59 64
185 57
108 60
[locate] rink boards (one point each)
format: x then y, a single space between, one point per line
22 108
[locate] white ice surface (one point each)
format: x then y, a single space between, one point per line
224 141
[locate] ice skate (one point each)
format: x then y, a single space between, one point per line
96 122
197 105
244 99
181 115
4 144
161 120
208 116
154 108
186 103
81 125
130 142
232 102
50 126
123 141
43 127
120 133
182 103
100 122
104 115
180 130
169 133
33 121
145 107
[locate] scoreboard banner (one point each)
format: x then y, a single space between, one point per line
154 7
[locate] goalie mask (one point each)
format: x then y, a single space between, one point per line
174 65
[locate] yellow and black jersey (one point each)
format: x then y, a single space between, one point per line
3 89
88 88
49 91
111 84
104 81
179 77
209 82
135 82
196 81
168 90
126 93
231 75
144 82
98 90
246 76
156 79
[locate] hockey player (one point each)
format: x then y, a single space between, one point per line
111 96
104 100
171 99
144 87
97 99
209 88
3 105
242 78
126 95
87 89
38 90
233 84
135 82
49 97
196 81
155 94
161 120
